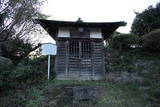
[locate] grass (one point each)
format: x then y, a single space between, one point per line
51 93
30 88
138 63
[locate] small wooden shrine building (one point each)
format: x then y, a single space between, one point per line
80 47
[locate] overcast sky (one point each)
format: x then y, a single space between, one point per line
96 10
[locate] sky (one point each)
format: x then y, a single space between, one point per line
96 10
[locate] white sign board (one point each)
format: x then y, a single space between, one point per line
49 49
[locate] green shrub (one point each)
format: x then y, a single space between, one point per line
16 49
29 71
123 41
151 41
154 94
34 70
5 77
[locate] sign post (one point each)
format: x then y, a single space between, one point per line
49 60
49 49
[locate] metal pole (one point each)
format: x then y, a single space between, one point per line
49 66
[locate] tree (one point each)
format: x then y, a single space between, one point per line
123 41
16 22
151 41
146 21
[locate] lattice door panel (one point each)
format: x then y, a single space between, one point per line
80 62
86 62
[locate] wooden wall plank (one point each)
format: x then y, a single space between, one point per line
78 66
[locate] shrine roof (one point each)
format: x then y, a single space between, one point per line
51 26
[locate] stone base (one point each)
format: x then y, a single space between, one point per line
82 77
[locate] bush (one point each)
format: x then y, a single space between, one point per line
123 41
151 41
17 49
34 70
5 77
28 72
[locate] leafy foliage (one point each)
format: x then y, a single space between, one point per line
151 41
16 49
140 71
29 71
146 21
17 17
123 41
16 23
